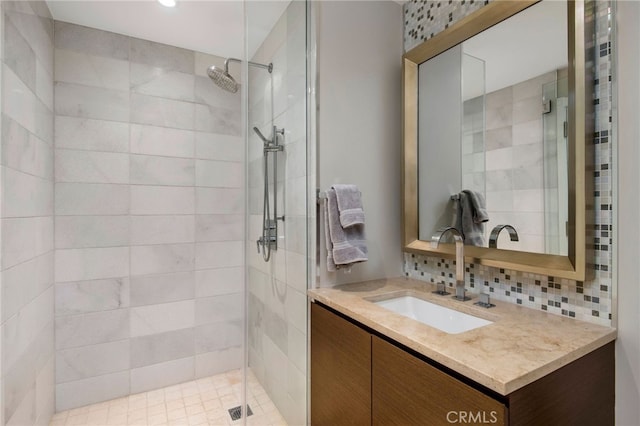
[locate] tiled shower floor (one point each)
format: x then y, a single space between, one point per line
199 402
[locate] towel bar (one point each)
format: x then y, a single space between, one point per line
320 195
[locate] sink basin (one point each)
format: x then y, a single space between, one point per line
444 319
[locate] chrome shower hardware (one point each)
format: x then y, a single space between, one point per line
224 80
269 239
495 232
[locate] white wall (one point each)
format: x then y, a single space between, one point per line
628 319
359 48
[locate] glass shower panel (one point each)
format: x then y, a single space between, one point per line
276 334
555 119
473 123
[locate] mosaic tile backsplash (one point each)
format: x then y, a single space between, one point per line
589 301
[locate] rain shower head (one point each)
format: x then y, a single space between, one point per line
224 80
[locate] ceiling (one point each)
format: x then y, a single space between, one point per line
210 26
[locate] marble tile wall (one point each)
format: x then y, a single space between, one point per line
514 154
149 215
591 300
27 160
277 312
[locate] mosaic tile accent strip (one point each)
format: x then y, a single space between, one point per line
589 301
425 18
577 300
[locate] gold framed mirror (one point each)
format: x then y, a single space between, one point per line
571 261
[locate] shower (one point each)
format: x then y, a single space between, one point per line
268 241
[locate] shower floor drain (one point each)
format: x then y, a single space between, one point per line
236 412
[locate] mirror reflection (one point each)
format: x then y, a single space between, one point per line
492 135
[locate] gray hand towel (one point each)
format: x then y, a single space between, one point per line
471 217
347 245
349 205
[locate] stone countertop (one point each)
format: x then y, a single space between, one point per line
519 347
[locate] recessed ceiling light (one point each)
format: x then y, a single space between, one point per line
167 3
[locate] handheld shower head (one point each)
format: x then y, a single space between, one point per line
261 136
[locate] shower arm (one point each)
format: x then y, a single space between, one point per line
268 67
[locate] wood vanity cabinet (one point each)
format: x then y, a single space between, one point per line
361 378
340 370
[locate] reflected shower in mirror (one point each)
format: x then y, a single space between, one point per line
492 114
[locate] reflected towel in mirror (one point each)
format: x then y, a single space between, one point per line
471 214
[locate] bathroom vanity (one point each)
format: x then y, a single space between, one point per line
370 365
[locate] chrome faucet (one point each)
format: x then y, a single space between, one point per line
495 232
435 241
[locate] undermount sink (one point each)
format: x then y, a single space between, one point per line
444 319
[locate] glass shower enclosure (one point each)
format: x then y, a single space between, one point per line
276 246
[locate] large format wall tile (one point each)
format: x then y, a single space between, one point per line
91 263
74 199
154 319
153 170
73 331
91 167
21 150
27 192
91 135
90 41
162 347
213 146
161 55
80 297
26 195
24 239
24 282
18 55
149 200
219 174
162 112
90 70
160 229
91 390
23 106
164 141
76 100
130 177
219 281
95 360
91 231
161 258
155 81
219 228
156 289
219 254
219 201
163 374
